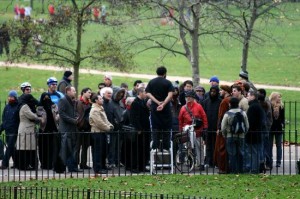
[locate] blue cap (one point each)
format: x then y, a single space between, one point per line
13 93
214 79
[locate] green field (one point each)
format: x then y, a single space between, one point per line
209 186
270 62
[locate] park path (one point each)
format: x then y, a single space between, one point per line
135 75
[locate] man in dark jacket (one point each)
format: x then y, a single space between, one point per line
68 128
140 118
83 108
116 118
66 81
253 139
211 107
10 123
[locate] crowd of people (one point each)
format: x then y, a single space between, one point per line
121 126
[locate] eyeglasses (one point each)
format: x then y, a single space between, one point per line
53 84
200 91
27 89
101 88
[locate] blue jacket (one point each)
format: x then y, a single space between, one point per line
10 119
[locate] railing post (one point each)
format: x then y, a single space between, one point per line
88 195
15 192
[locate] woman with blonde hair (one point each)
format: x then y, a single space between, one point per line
277 128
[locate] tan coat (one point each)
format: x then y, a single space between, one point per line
26 133
98 119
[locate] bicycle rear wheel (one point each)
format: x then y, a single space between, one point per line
185 161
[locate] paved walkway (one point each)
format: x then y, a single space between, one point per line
136 75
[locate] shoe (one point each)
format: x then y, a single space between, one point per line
85 167
135 171
110 166
201 167
75 170
3 167
102 171
222 172
278 164
121 164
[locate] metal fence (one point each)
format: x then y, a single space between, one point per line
35 192
132 150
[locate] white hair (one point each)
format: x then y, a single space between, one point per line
105 89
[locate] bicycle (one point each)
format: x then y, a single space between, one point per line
185 156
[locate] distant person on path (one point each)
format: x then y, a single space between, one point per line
66 81
17 12
160 91
103 14
4 39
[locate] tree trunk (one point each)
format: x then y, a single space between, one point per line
195 46
247 37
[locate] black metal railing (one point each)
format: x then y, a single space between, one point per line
38 192
132 157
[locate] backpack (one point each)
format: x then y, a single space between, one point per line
238 125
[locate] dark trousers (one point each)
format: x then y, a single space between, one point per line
10 150
83 141
45 142
25 159
210 141
99 151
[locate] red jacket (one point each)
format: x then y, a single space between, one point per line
184 117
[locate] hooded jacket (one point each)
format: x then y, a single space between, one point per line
117 108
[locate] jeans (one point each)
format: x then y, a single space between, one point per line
10 150
278 142
266 147
112 148
253 159
235 149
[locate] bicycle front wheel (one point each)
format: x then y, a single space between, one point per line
185 161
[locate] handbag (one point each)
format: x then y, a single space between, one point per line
197 122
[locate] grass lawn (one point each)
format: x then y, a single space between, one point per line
269 62
215 186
